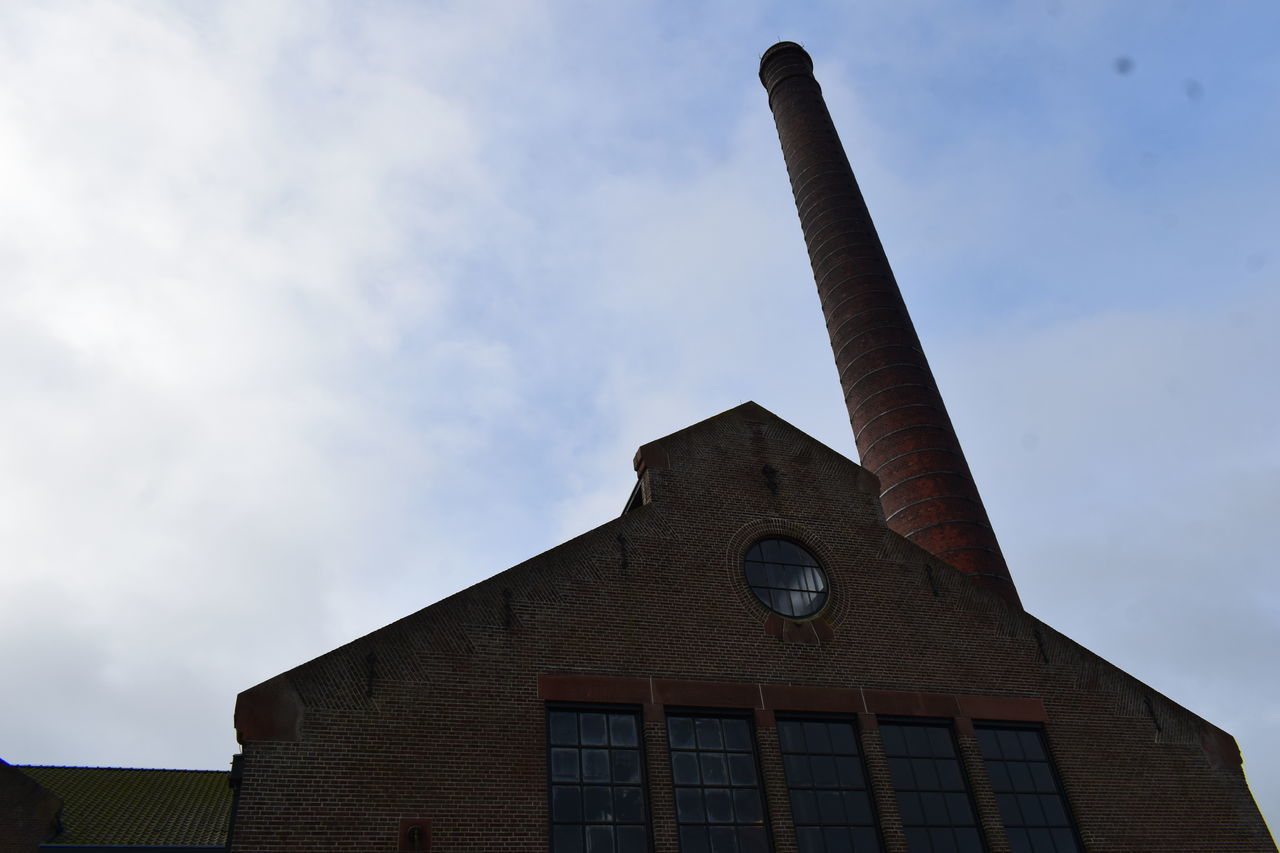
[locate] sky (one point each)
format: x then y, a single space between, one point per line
312 314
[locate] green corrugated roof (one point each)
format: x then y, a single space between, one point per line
119 806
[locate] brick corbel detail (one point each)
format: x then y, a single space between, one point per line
270 711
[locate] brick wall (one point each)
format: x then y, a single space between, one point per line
441 715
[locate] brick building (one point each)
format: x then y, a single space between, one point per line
772 648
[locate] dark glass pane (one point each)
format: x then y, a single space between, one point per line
751 839
968 840
594 731
628 805
723 840
599 839
746 806
1009 811
782 602
789 553
1010 744
830 807
684 768
940 743
564 765
999 776
757 574
742 769
1020 776
689 805
917 740
958 811
1041 840
900 770
1041 778
566 804
797 770
837 839
925 773
595 765
843 739
823 768
1054 814
694 840
1064 841
631 839
680 732
894 742
567 839
622 729
1031 747
1020 841
804 807
809 839
935 808
817 737
990 743
918 839
943 840
857 807
849 772
1032 814
708 731
626 765
949 778
737 735
719 805
597 804
770 550
564 727
909 806
714 771
865 839
790 736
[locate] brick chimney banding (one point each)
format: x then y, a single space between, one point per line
900 425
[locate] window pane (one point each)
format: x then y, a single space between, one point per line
830 805
597 793
1031 802
937 813
592 729
564 727
718 805
622 729
564 765
567 839
785 578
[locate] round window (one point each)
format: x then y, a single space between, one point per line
786 578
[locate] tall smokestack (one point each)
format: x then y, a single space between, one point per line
899 422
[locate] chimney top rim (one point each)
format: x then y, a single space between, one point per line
779 49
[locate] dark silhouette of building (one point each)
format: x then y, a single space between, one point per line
773 648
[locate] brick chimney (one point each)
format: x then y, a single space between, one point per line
899 422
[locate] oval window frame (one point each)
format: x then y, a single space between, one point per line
823 595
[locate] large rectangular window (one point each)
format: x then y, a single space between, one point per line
1031 801
830 804
717 786
933 797
595 765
